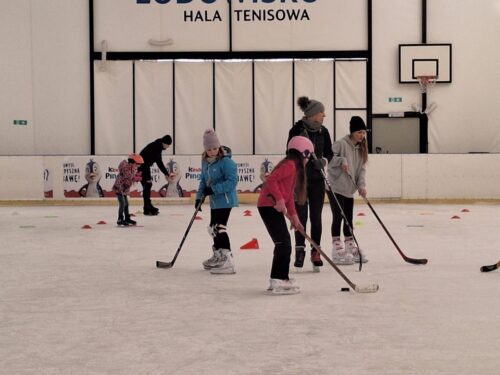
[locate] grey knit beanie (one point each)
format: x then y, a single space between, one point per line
210 139
310 107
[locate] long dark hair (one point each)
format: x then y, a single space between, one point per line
363 147
300 180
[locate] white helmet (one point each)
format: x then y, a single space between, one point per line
302 145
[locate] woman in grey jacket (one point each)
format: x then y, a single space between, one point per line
350 155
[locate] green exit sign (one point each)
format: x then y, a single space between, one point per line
20 122
395 99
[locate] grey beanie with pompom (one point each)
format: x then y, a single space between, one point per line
310 107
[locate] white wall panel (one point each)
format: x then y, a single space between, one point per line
384 176
394 22
154 102
466 116
113 109
273 106
127 26
61 77
193 105
314 79
16 82
233 105
350 84
450 176
330 25
22 177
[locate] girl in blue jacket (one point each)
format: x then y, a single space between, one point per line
219 177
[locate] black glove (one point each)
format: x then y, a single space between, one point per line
317 164
208 191
197 203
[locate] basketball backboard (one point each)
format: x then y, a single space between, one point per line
424 60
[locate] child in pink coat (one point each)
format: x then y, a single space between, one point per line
276 200
127 175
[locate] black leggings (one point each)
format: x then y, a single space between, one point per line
123 213
219 217
278 230
147 184
347 205
315 201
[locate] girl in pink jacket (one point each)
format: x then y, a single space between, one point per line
127 175
276 200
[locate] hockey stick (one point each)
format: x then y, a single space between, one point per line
332 197
493 267
407 259
160 264
372 288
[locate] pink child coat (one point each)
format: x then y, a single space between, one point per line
125 178
281 185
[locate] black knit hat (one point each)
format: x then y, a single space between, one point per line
166 140
356 124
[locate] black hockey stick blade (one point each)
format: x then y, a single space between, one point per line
160 264
415 260
490 268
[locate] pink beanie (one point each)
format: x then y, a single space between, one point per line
210 139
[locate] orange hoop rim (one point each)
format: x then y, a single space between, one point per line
426 81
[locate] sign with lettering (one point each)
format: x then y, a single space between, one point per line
240 25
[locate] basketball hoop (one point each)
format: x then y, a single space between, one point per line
426 82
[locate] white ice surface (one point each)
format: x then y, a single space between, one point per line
75 301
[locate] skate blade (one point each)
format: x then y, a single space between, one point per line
282 291
316 269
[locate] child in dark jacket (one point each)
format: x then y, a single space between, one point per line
127 175
276 200
219 177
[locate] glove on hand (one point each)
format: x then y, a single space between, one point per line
280 206
208 191
317 164
197 202
296 224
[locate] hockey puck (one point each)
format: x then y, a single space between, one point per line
344 289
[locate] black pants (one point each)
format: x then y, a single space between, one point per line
147 184
123 213
314 204
347 205
277 228
218 217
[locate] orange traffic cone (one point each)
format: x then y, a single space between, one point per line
198 218
361 214
465 210
247 213
86 226
251 245
455 217
101 222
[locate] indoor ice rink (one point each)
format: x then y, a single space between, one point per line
85 83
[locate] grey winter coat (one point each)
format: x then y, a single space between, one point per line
344 152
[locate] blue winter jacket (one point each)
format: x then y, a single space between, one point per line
222 176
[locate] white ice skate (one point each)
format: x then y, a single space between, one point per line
340 256
279 286
225 263
351 248
212 261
